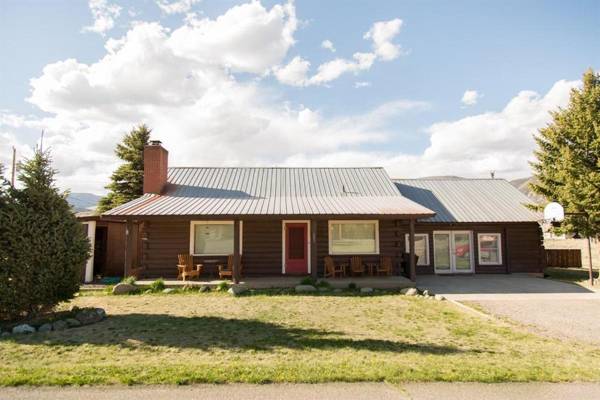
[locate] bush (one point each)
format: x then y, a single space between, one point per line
222 287
323 284
158 285
43 248
352 286
130 280
308 281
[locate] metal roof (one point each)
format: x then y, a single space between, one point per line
275 191
469 200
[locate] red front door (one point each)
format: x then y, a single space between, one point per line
296 248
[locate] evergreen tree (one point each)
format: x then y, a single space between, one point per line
568 158
42 245
127 182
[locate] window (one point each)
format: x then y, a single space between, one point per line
214 238
353 237
421 247
490 248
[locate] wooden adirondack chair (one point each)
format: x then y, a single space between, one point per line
332 270
385 266
226 271
186 267
357 267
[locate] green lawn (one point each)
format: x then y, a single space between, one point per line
578 276
193 338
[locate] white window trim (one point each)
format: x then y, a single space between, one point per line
453 269
212 222
283 243
358 221
89 265
407 242
499 235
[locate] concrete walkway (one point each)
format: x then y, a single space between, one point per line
547 307
330 391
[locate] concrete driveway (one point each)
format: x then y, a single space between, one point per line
551 308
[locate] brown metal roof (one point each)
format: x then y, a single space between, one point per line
275 191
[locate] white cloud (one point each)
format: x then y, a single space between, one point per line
176 6
382 34
470 97
296 72
104 16
328 44
361 84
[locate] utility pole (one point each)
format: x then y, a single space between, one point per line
42 142
14 167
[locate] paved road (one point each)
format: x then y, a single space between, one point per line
549 307
332 391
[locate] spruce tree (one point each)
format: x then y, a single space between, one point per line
127 182
568 159
42 246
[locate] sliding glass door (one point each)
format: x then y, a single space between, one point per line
453 252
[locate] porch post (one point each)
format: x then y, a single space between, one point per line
411 240
313 249
236 251
129 248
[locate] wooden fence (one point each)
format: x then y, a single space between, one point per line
563 258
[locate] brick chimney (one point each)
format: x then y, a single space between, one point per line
156 160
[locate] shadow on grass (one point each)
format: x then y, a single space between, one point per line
209 333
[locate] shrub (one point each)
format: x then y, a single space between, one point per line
323 284
158 285
222 287
130 280
42 246
352 286
308 281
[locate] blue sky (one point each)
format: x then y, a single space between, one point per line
402 109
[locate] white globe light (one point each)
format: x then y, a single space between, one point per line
554 212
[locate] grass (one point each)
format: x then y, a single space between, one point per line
216 338
578 276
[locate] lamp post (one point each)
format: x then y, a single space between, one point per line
555 214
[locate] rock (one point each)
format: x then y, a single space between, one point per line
72 322
425 292
409 291
23 328
168 290
324 289
89 316
45 328
5 334
305 288
124 288
366 290
101 312
204 288
338 290
60 325
439 297
237 290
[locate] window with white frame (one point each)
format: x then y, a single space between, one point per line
214 238
490 248
353 237
421 247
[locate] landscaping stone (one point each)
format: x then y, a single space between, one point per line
60 325
45 328
204 288
72 322
5 334
101 312
410 292
237 290
168 290
366 290
89 316
439 297
338 290
124 288
305 288
425 292
324 289
23 328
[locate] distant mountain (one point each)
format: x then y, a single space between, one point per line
523 185
83 201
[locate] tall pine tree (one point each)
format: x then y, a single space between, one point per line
568 158
127 182
42 245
